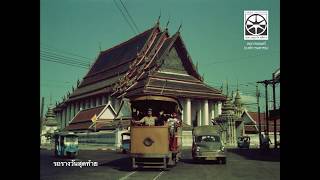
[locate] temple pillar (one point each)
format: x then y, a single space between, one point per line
205 112
211 111
98 101
92 102
219 110
186 114
188 111
104 99
199 115
71 111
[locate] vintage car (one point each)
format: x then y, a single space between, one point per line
243 142
207 144
154 146
66 144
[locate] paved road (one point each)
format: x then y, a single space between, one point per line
240 165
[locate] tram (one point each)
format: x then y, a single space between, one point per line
155 145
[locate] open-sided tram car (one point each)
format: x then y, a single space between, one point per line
153 146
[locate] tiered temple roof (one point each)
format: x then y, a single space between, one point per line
152 62
50 119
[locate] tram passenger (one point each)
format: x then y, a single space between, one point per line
148 120
161 119
173 124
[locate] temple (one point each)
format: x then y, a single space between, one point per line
151 63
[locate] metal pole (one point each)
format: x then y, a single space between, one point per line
274 109
258 97
41 116
267 108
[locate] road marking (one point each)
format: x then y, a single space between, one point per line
158 175
125 177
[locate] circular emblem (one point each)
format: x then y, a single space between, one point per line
148 141
256 24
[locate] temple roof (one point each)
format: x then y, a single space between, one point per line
237 100
134 67
254 116
50 119
84 118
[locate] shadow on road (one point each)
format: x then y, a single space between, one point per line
257 154
122 164
191 161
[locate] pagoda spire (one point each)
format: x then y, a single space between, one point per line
158 20
168 22
179 27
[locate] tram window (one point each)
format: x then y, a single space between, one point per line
207 139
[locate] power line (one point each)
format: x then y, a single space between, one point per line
129 16
124 16
61 62
44 46
51 55
237 59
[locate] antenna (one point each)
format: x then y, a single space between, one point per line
158 20
180 27
237 85
100 46
168 22
227 88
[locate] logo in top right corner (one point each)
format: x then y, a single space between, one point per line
255 25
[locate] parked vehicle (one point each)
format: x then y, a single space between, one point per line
125 142
66 144
207 144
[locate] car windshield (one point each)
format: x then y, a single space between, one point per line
208 138
71 139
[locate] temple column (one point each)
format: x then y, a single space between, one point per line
205 112
186 114
188 111
219 108
71 111
234 131
91 102
97 101
199 113
76 108
211 111
69 114
87 103
215 107
61 119
64 118
104 99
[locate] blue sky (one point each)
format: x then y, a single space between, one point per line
211 29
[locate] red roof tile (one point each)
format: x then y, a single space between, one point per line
87 114
79 126
254 116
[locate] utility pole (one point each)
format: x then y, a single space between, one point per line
258 104
41 115
274 109
267 108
